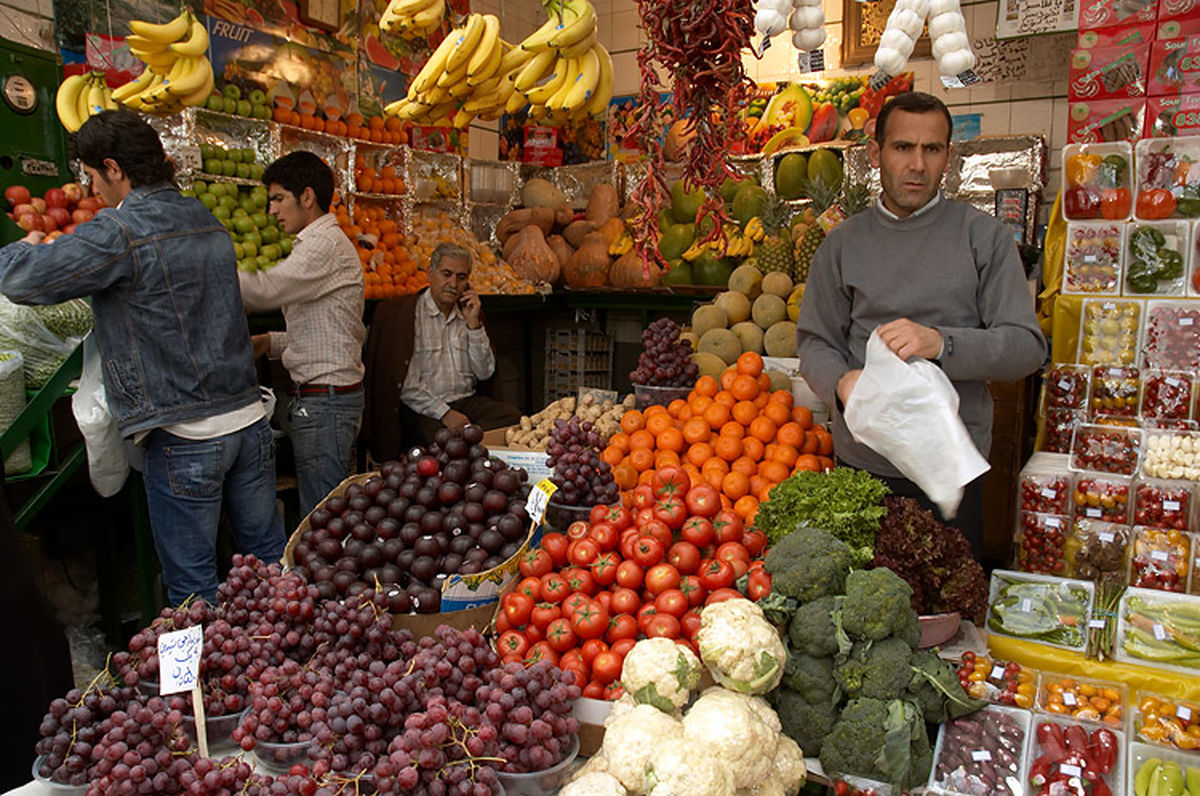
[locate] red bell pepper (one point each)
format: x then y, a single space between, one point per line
1103 750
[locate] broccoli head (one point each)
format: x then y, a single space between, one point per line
878 670
882 740
808 564
935 689
877 605
811 677
805 723
812 630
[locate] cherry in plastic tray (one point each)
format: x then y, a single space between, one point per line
1065 386
1058 428
1163 504
1094 258
1049 493
1104 498
1041 543
1106 449
1114 391
1172 338
1160 559
1167 395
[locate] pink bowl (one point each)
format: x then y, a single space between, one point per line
938 628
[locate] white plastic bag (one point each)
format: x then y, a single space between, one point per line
22 329
12 403
907 412
108 460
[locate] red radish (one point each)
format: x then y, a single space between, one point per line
81 215
56 197
16 195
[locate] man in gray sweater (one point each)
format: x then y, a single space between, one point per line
939 279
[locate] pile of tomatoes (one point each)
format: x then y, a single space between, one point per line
587 595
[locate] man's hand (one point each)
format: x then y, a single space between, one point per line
261 344
846 383
454 420
907 339
471 308
34 237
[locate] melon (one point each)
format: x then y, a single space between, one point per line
788 138
824 164
779 381
768 310
730 187
735 304
777 283
748 202
379 55
750 336
708 317
794 301
537 192
675 240
709 364
722 343
791 107
791 172
747 280
780 340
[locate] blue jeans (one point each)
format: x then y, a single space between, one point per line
186 481
323 430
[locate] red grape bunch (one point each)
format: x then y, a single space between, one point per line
580 475
665 361
73 725
531 706
446 750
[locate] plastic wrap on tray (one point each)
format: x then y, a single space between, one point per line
1057 428
1108 331
1095 701
1065 753
1044 491
1103 497
1160 559
1097 120
1172 337
1065 386
1098 181
1158 628
1168 178
1156 255
1171 454
434 177
1042 608
1163 504
1167 394
982 754
1114 391
1041 542
1167 721
1098 549
1094 258
1106 449
998 681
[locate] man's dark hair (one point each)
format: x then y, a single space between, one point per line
911 102
124 137
296 171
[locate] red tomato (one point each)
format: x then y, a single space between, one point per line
614 691
512 642
622 626
643 497
531 586
576 668
605 599
580 580
555 544
543 614
541 651
573 657
560 636
554 588
717 574
590 621
691 588
671 511
535 563
604 568
671 601
645 614
698 531
630 574
670 482
721 595
629 538
534 634
657 529
517 607
643 516
689 623
590 649
758 585
594 690
606 667
502 622
684 556
703 500
663 626
661 577
577 530
623 646
507 659
737 555
648 551
597 514
605 535
575 600
727 526
625 601
583 552
619 517
755 542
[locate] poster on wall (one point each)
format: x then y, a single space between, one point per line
531 142
622 112
1029 17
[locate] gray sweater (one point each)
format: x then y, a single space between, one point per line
952 268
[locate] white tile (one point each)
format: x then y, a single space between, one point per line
994 120
626 27
984 92
1033 117
483 144
1058 124
833 11
626 77
1026 89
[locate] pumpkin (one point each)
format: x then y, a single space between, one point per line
544 218
511 222
603 203
562 250
563 215
576 230
611 230
627 272
537 192
510 246
588 267
532 258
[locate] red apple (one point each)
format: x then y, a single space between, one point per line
56 197
30 222
61 215
68 229
48 223
16 195
74 192
39 204
91 203
81 215
55 235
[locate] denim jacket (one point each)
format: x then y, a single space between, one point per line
169 321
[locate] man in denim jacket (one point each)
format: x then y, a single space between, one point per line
177 362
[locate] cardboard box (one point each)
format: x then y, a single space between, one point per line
1109 72
1143 33
1096 14
533 460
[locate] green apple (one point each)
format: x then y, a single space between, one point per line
212 165
231 91
259 199
247 265
250 249
234 154
238 251
264 262
229 105
241 213
229 168
221 213
243 171
270 233
243 224
262 112
270 251
243 108
206 151
247 203
200 186
285 245
229 203
256 96
256 171
252 236
260 219
215 102
249 155
208 200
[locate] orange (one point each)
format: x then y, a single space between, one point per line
641 439
785 455
670 439
654 409
727 376
713 471
699 453
812 443
773 471
716 415
744 387
733 429
753 447
758 483
750 363
706 386
784 397
625 475
746 507
724 398
699 404
676 407
735 485
685 412
803 416
646 476
632 420
696 430
764 382
728 448
762 399
789 433
808 462
744 465
777 413
665 459
826 441
763 428
642 459
658 422
744 412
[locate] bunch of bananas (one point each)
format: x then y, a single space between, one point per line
735 245
81 96
564 73
755 231
178 72
412 18
622 245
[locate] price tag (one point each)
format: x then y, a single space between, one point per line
1053 522
811 61
1107 537
981 756
190 158
1093 512
1089 258
539 496
1170 505
1069 699
1026 605
179 660
997 673
1096 624
1160 555
1160 632
1064 384
1172 381
1069 770
879 80
961 80
1186 321
1049 494
1115 373
1184 714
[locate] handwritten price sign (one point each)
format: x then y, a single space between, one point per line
179 660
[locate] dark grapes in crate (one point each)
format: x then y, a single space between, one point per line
1041 543
1114 392
1172 340
1046 492
1102 499
1106 449
665 361
581 477
1058 428
1163 506
1066 387
1167 395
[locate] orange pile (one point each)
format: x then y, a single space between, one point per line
368 180
387 268
376 129
735 434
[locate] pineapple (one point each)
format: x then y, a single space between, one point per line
775 251
854 199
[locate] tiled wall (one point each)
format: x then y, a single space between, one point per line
28 22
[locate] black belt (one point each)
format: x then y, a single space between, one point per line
324 389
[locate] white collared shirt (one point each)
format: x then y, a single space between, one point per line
937 197
448 359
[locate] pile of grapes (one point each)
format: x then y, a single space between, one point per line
665 361
581 477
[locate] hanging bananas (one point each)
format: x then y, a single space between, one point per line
569 75
178 73
412 18
82 96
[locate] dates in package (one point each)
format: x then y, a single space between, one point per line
1109 72
1172 340
1167 395
1101 549
1097 120
981 754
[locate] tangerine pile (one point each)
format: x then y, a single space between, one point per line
371 180
375 129
387 268
734 433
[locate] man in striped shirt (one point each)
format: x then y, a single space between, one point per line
319 287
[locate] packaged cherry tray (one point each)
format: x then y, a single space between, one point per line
1095 251
1106 449
1041 543
1108 331
1103 497
1163 504
1167 394
1114 391
1156 255
1160 559
1065 386
1047 492
1172 337
1057 428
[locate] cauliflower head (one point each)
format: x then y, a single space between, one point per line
594 783
630 740
789 765
732 731
740 647
659 672
771 786
760 706
675 769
